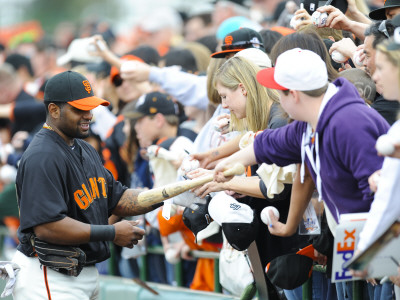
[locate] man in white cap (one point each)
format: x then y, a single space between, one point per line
334 133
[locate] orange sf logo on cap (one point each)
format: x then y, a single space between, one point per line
88 88
228 40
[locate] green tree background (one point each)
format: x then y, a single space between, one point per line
51 12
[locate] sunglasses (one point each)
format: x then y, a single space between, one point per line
395 45
117 80
239 45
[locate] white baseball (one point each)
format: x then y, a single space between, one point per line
338 57
221 124
294 22
265 214
319 19
190 165
171 255
356 58
385 144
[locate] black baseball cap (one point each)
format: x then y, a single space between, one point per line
152 104
197 219
241 235
238 40
311 5
289 271
380 13
74 89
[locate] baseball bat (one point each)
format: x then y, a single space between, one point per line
153 196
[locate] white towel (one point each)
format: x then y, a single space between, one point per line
8 271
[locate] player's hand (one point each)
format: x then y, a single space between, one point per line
276 228
205 189
222 122
320 258
345 46
204 158
220 168
336 19
199 172
396 153
373 181
127 234
186 253
302 18
396 278
98 46
135 71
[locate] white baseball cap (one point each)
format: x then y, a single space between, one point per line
79 50
256 56
226 209
295 69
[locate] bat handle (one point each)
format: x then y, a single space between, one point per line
237 169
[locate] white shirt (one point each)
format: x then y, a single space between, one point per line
385 208
188 89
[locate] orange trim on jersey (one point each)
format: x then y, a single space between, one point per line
46 282
248 171
161 140
12 116
119 119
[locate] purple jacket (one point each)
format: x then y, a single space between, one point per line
347 131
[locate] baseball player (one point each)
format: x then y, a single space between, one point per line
65 196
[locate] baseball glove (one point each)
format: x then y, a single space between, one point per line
67 260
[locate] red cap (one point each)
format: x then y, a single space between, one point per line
266 78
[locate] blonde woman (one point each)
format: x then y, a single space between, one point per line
385 208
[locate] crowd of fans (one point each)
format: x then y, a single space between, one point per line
190 99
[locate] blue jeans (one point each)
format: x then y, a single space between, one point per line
383 291
295 294
344 290
322 287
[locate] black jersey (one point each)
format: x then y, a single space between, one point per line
54 181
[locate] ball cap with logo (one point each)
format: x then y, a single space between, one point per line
380 13
311 5
152 104
238 220
295 69
238 40
200 222
74 89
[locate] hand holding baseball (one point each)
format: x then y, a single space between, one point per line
135 71
127 234
336 19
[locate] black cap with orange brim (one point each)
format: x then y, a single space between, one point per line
74 89
239 40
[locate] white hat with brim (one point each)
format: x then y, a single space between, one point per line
78 51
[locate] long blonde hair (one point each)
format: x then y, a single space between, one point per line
238 70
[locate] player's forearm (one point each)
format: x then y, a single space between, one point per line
226 149
245 157
300 197
128 205
64 232
249 186
358 29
